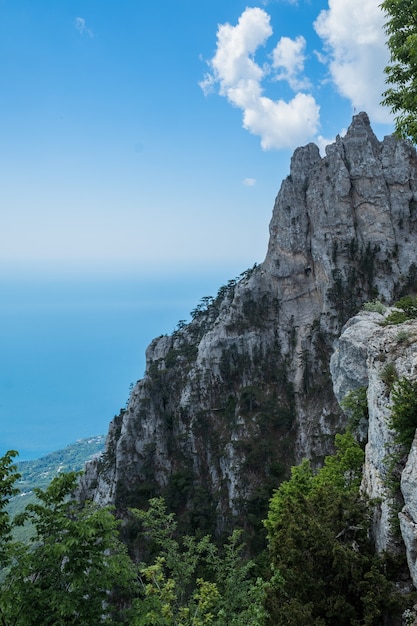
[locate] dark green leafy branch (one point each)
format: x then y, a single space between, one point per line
318 529
406 310
403 418
324 568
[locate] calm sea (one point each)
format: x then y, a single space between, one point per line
70 348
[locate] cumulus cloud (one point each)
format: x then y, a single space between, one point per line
234 71
81 26
233 64
249 182
282 124
354 39
288 58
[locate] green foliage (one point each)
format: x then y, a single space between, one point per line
355 404
354 284
342 471
401 95
408 311
75 572
324 570
209 307
8 478
375 306
38 473
396 317
192 582
319 545
409 305
402 336
389 374
403 419
159 602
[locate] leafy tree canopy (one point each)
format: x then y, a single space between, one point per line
401 73
192 582
403 417
318 529
75 572
8 478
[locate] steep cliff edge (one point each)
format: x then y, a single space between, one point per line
374 355
231 400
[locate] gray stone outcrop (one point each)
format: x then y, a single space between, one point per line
243 391
363 358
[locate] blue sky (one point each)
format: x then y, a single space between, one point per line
142 147
122 124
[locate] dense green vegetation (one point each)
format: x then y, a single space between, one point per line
318 527
403 419
39 473
405 309
401 95
355 404
319 567
76 570
375 306
403 422
191 581
8 478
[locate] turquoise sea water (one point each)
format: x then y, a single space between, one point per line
69 349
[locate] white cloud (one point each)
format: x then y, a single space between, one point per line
81 26
234 70
249 182
288 57
322 142
233 63
283 124
352 31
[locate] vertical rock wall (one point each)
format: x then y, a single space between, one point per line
372 355
232 399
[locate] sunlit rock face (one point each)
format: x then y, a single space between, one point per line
365 354
232 399
408 515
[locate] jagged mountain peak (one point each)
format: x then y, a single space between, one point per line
231 400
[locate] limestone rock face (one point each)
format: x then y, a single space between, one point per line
408 515
348 363
232 399
365 358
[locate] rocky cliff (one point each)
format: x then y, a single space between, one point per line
374 355
232 399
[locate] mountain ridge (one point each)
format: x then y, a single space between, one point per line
231 400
